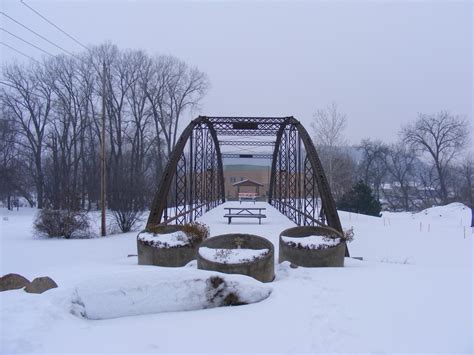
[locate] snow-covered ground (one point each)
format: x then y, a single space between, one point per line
411 293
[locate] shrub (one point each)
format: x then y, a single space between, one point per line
125 219
360 199
196 232
125 202
348 235
62 223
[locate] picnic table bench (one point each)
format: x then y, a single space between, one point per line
240 212
247 196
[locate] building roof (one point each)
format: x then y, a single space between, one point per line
247 182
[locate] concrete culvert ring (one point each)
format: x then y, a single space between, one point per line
154 250
295 247
236 253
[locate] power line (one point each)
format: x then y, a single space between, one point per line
24 40
54 25
20 52
37 34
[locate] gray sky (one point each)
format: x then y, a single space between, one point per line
381 62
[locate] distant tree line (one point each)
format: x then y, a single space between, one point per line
428 165
50 137
50 126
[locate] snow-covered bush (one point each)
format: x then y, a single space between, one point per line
348 235
195 232
62 223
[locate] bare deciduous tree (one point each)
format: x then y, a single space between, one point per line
441 136
464 182
30 100
328 126
13 167
55 110
400 164
372 167
173 88
344 175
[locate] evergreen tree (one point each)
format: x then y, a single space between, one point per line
360 199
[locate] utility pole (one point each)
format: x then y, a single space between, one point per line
103 231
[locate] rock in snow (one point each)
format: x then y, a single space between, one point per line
12 282
40 285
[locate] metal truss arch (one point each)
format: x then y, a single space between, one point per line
193 180
298 186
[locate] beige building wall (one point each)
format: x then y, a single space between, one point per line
236 173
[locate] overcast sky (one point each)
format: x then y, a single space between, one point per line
381 62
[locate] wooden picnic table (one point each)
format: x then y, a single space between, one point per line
245 212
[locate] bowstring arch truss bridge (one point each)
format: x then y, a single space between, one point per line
193 180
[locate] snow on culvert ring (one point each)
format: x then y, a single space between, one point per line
261 268
312 246
232 256
164 240
317 242
147 292
168 246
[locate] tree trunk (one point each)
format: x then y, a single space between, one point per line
442 183
472 217
39 192
406 199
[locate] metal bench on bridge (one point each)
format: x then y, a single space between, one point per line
240 212
247 196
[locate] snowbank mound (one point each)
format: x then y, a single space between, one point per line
453 210
144 292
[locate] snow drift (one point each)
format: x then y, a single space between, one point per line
149 291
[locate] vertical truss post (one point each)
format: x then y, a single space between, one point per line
181 189
309 198
277 185
292 171
299 194
199 170
283 186
209 171
192 177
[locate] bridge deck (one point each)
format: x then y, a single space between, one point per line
269 229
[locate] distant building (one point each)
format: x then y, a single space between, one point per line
256 173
